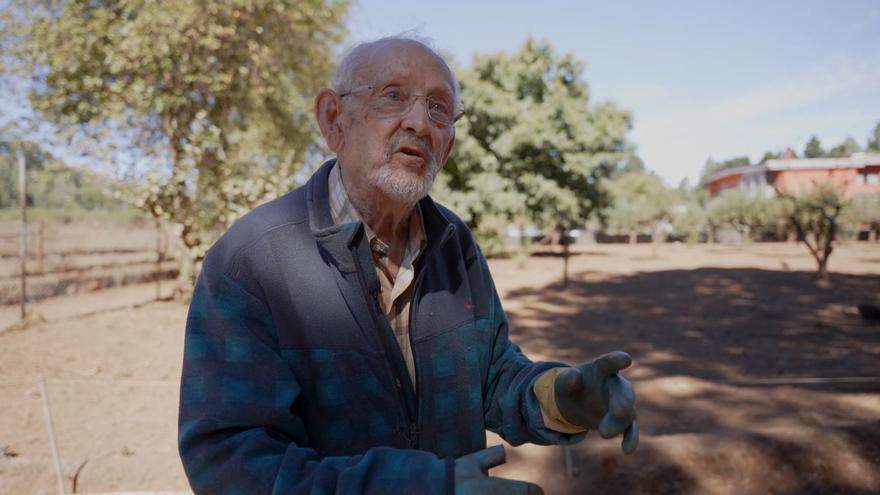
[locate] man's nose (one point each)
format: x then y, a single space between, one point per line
416 118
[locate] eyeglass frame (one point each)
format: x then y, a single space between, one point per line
413 98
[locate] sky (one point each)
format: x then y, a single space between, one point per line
701 78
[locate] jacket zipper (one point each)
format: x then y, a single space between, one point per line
413 427
375 313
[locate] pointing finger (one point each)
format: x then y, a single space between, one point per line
621 396
630 438
608 364
612 425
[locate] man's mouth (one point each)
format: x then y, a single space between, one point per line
411 151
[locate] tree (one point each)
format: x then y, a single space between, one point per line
770 155
632 164
688 218
531 149
813 148
35 158
215 95
753 216
874 140
639 201
737 209
863 213
687 214
845 149
815 215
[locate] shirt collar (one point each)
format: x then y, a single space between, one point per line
343 211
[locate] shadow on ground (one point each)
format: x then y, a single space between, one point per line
714 324
705 342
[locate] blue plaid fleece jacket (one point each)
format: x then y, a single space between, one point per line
293 381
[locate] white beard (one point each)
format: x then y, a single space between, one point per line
403 186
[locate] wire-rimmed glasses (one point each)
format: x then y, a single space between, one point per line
395 101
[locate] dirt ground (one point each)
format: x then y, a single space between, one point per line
751 376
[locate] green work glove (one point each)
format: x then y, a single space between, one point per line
594 396
472 475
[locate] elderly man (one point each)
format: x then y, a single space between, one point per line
347 337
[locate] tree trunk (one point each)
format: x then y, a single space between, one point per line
190 266
654 242
565 253
822 272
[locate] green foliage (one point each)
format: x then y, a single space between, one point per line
751 215
216 94
530 148
874 140
770 155
639 200
816 216
631 164
845 149
688 217
863 212
51 184
813 148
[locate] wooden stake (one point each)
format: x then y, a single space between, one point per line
41 232
158 274
47 412
22 201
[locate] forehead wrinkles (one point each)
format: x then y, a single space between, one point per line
406 64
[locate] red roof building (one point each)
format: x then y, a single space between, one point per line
857 174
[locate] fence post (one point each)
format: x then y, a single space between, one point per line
22 201
159 257
41 229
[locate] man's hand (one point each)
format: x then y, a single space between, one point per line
593 395
472 475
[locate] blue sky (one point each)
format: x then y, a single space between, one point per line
702 78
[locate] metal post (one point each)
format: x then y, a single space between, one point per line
22 201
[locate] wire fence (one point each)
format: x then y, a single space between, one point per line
82 256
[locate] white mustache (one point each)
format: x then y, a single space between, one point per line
406 139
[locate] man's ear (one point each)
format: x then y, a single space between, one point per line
327 110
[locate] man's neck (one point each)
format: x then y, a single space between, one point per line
387 218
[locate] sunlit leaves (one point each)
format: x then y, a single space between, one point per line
216 90
530 149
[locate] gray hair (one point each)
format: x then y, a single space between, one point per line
355 56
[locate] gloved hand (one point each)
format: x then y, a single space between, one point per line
472 475
594 396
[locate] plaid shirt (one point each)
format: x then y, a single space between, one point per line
396 292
